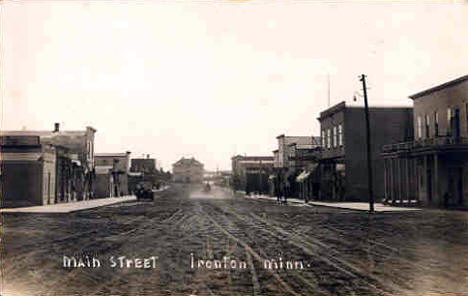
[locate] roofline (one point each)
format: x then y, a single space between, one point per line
439 87
110 154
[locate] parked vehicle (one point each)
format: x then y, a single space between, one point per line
144 191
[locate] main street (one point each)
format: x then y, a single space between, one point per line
197 243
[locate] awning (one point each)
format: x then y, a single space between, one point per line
100 170
135 174
302 176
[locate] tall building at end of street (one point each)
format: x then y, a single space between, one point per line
188 170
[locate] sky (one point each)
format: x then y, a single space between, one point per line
212 79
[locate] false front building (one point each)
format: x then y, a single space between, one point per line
188 170
432 168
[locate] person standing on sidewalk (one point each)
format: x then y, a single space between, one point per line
277 184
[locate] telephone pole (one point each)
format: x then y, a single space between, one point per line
368 144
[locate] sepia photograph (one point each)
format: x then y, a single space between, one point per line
234 147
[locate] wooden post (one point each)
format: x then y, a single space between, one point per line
385 180
407 180
436 178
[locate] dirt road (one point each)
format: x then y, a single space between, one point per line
189 242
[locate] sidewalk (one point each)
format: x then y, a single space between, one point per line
70 207
357 206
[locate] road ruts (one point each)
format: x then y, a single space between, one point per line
334 269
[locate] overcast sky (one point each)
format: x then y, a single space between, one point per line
213 79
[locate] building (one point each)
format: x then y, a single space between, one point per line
188 170
145 170
343 161
289 162
284 144
305 160
432 167
73 155
111 174
144 165
28 170
250 173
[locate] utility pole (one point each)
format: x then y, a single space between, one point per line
368 144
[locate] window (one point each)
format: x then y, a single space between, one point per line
419 127
323 138
466 112
450 121
340 135
426 128
335 137
436 124
328 138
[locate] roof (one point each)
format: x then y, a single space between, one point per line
253 158
439 87
44 133
67 139
187 162
110 155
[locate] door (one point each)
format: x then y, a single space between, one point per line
429 185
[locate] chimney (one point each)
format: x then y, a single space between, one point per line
147 156
56 127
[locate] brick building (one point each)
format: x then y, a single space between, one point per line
343 161
112 174
432 168
187 170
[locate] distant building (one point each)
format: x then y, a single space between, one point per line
250 173
111 174
144 171
343 157
188 170
146 165
432 167
305 159
290 160
284 142
73 161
